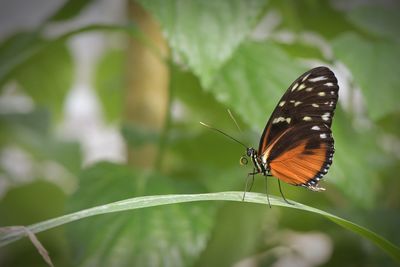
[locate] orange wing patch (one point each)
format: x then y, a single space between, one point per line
298 165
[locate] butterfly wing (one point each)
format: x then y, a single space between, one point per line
297 143
303 155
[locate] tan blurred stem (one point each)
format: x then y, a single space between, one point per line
147 96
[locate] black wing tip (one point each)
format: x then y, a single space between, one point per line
323 69
320 69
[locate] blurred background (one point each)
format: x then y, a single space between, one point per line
101 101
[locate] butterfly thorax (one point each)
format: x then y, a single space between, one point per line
259 165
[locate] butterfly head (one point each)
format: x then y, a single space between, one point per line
250 152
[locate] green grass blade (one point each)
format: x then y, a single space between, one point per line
158 200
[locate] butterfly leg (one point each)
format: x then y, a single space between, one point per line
247 181
266 190
280 190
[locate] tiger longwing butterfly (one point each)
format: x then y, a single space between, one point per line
296 145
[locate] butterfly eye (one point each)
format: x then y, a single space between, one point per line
243 160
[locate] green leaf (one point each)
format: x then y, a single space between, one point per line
15 50
190 143
382 21
32 132
253 81
37 121
25 55
151 201
244 226
24 205
374 66
109 83
70 9
21 47
28 201
137 136
302 50
318 17
204 34
187 89
357 161
171 236
47 76
390 123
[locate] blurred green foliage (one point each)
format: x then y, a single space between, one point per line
109 83
372 65
217 62
180 230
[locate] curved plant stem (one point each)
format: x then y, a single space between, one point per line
158 200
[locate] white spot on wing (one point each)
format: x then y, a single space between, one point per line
315 128
295 86
306 118
309 89
323 135
301 87
281 119
315 105
321 94
326 116
317 79
297 103
277 120
282 103
305 77
329 84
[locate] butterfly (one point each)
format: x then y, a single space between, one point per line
296 145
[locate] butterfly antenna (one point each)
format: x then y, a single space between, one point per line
234 120
221 132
